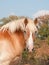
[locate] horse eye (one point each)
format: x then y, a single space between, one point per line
37 26
24 32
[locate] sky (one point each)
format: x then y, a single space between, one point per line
22 7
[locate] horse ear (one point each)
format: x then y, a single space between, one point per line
36 21
25 21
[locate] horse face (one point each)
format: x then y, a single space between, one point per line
29 35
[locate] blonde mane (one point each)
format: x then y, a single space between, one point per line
12 26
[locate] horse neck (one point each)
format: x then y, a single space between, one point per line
19 34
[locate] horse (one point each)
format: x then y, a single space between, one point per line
14 37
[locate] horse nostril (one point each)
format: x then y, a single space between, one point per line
27 49
24 49
33 49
